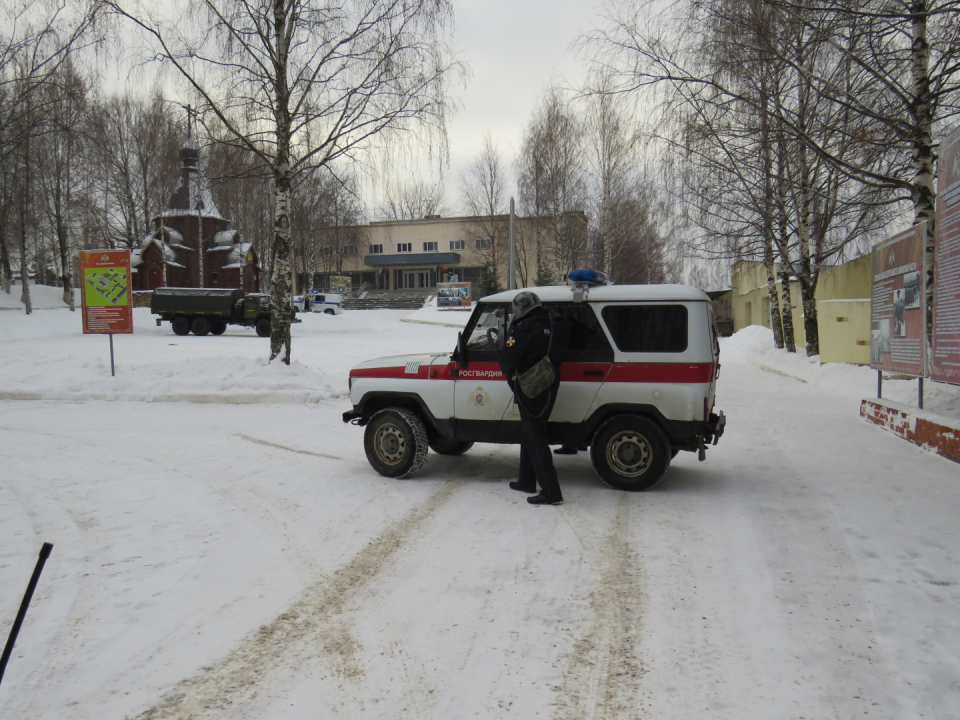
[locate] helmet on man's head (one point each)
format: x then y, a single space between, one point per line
523 303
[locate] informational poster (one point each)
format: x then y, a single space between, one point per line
341 284
105 292
898 314
454 296
945 348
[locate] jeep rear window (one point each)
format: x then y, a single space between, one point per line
647 328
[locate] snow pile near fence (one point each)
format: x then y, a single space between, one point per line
754 345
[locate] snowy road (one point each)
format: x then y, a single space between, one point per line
244 561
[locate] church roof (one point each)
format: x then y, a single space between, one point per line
192 196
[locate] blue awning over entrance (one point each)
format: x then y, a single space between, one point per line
399 260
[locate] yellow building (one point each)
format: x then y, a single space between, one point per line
843 307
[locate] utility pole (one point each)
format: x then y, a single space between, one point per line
511 265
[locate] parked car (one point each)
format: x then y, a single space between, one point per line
638 383
328 303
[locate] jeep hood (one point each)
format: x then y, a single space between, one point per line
401 360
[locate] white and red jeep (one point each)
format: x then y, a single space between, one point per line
637 385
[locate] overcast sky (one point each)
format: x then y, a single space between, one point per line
515 49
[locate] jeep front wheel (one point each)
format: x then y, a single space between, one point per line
395 441
630 452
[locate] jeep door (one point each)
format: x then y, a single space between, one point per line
481 393
584 364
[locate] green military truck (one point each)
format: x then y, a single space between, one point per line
210 310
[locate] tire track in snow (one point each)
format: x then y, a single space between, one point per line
288 449
309 627
603 670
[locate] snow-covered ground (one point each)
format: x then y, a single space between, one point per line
229 553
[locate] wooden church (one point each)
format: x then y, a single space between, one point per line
192 245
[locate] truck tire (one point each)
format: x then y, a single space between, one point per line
263 327
218 327
395 441
630 452
200 325
181 325
450 447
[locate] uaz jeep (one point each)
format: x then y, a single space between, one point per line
637 385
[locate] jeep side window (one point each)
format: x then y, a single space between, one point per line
647 328
486 335
586 341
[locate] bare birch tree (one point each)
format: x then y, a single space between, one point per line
484 188
303 83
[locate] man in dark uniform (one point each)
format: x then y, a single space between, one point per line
532 333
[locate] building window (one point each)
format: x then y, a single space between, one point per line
404 247
430 247
350 250
483 243
458 244
324 251
376 249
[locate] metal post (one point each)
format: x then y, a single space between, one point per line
511 267
112 373
879 384
31 586
921 393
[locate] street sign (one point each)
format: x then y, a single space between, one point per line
945 346
898 312
105 292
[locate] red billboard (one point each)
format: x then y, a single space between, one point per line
898 313
945 346
105 290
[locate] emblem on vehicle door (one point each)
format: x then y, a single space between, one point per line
478 397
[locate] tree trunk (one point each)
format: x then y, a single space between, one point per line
768 208
280 277
24 195
924 192
787 310
776 322
5 272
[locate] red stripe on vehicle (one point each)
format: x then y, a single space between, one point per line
661 373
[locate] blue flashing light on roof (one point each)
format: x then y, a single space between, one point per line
585 276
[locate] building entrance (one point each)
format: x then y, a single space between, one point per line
414 279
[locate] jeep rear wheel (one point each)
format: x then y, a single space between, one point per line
450 447
630 452
395 441
181 325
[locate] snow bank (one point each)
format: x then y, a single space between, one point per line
46 356
754 345
430 314
42 297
